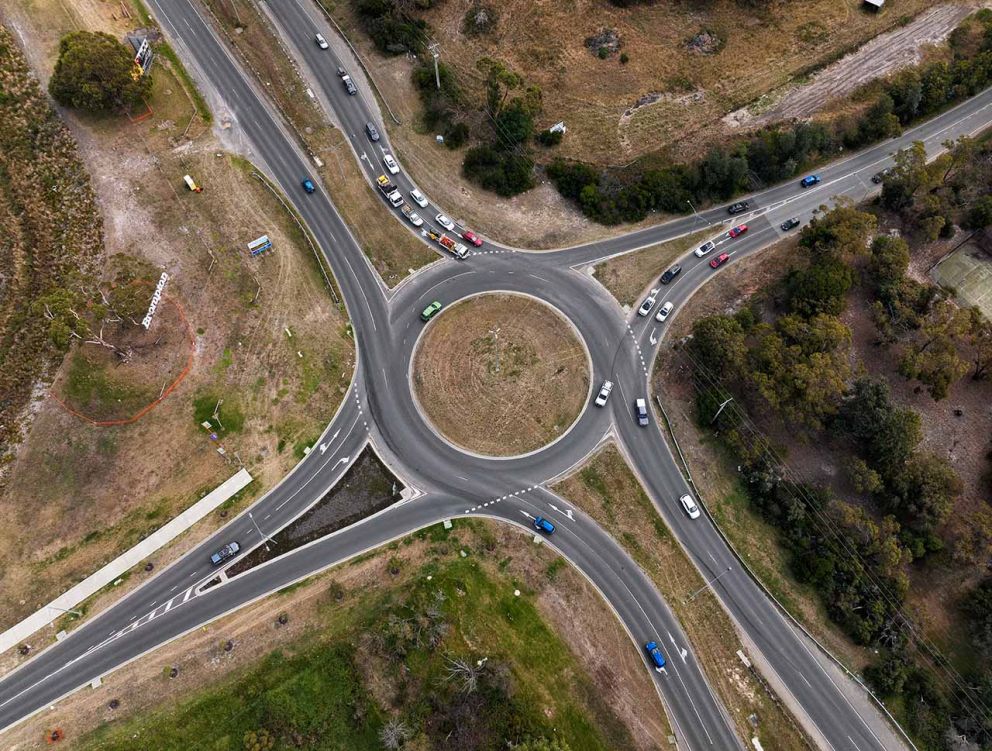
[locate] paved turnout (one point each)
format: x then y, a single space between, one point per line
379 407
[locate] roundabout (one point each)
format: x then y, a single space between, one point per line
500 374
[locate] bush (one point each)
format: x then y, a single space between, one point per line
391 30
94 73
503 172
455 135
624 58
480 19
549 138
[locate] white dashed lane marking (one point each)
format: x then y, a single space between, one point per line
494 501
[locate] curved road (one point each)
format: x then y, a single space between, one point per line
379 407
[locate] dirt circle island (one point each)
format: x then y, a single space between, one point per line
500 374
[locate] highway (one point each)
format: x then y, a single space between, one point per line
380 408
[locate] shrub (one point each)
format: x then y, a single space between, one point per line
94 73
455 135
480 19
624 58
392 31
549 138
503 172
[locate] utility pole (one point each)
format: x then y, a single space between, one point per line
707 584
728 401
433 47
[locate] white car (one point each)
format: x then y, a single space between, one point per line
444 222
705 248
663 313
604 393
647 305
390 163
321 42
418 198
690 506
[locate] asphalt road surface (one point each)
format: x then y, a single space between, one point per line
451 483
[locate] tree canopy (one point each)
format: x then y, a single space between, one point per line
96 72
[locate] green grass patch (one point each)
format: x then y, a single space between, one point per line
92 390
411 631
224 415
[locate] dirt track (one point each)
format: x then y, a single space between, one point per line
881 56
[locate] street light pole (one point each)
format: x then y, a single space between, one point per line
66 610
695 214
707 584
261 534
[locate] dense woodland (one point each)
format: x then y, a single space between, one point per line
787 360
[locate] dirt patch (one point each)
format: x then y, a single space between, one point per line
624 275
366 488
881 56
607 490
501 374
324 603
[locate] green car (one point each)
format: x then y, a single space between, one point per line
430 311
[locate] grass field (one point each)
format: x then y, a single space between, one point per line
968 272
381 642
606 489
500 374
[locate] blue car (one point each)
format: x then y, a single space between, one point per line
543 525
657 658
810 180
308 185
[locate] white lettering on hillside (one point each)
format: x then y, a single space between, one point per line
147 320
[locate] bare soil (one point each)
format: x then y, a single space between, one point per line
570 605
501 374
269 341
607 490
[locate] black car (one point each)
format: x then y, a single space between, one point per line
671 274
341 72
737 208
879 176
790 223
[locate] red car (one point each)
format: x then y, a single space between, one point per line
737 231
472 238
719 260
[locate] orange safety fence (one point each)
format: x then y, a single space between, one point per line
148 407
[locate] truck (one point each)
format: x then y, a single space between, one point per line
412 215
390 191
457 249
349 85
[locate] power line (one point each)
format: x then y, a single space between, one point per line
798 492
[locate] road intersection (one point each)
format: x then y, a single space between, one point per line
450 483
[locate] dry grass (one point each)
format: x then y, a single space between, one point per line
606 489
762 49
105 488
393 250
624 275
568 603
505 394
